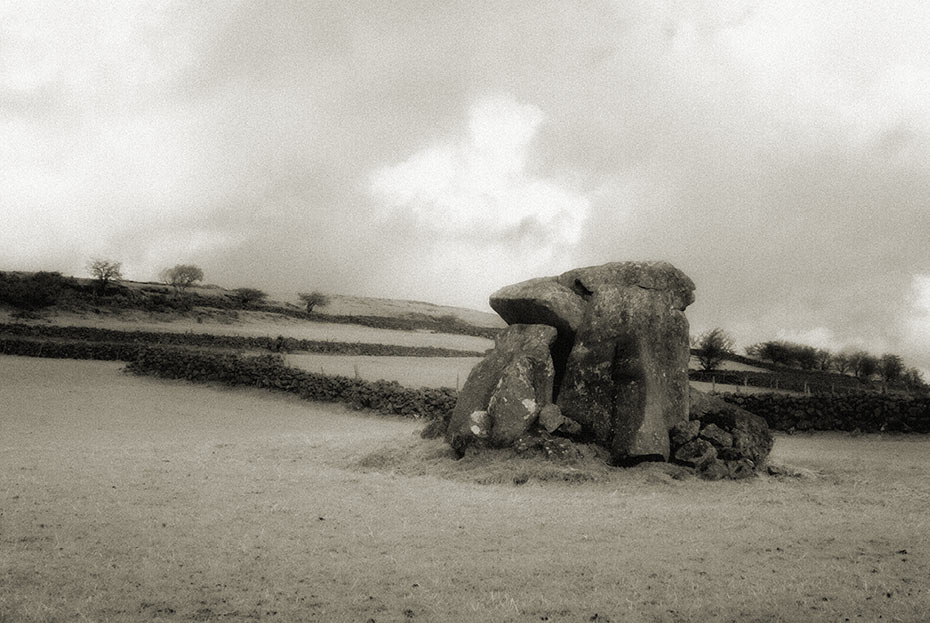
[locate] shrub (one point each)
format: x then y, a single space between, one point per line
181 276
312 299
864 365
890 367
35 291
249 296
774 351
713 347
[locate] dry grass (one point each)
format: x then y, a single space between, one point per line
735 366
127 499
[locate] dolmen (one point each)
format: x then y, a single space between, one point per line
600 355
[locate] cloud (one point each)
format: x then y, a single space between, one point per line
775 152
477 186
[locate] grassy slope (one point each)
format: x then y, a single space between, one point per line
262 324
126 498
345 305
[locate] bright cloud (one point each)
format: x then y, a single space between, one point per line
480 182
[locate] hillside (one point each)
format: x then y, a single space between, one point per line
51 296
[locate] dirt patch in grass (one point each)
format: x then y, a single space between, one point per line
127 499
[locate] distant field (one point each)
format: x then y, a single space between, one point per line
434 371
342 305
127 499
695 364
262 324
723 388
408 371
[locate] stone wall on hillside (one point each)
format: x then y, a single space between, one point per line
868 413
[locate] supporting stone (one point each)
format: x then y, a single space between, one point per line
503 394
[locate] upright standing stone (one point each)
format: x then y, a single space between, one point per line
621 356
504 393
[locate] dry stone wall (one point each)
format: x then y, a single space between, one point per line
867 413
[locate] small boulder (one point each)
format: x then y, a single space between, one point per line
683 432
728 454
696 453
717 436
551 418
738 470
714 470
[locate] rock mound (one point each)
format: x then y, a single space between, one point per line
720 440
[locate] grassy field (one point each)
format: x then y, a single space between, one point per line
263 324
408 371
127 499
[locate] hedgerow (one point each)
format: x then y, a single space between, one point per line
101 351
278 344
269 371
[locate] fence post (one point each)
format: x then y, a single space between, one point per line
355 367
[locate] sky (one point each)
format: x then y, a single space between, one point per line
776 152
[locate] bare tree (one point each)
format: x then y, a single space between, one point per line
842 362
312 299
803 356
775 351
824 359
712 348
863 365
181 276
890 368
104 272
913 380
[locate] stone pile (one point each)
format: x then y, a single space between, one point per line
720 440
600 355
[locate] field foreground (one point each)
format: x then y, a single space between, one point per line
126 499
